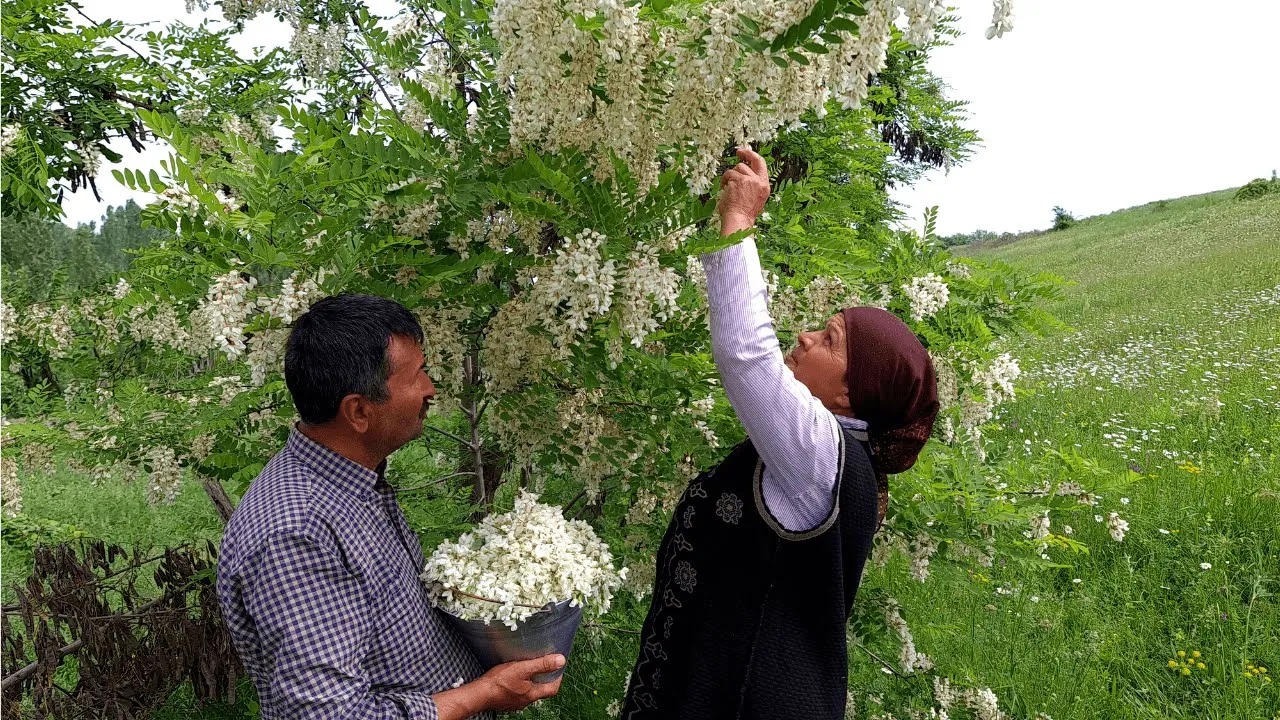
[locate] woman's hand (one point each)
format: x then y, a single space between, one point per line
744 188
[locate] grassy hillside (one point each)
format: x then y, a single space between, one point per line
1172 368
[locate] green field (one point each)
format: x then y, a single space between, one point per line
1170 366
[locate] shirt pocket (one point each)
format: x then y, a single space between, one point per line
401 645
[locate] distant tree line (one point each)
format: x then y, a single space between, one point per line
43 258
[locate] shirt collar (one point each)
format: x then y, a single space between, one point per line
851 423
342 471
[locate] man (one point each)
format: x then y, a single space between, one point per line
318 578
761 561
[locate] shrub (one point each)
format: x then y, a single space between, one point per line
1062 219
1256 189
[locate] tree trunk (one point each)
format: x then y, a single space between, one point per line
219 497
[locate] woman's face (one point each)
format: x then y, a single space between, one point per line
819 361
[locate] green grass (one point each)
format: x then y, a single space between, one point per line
1161 294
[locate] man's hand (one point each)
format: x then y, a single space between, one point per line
506 688
744 188
512 685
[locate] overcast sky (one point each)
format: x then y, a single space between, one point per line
1094 105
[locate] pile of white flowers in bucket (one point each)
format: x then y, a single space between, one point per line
514 564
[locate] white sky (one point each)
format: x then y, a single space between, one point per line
1094 105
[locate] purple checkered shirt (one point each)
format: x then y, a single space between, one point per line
318 581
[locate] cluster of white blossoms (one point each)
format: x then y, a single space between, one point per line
922 549
8 323
583 425
910 658
695 273
443 349
981 702
1001 19
948 381
10 488
580 281
997 379
319 49
38 458
928 294
697 87
417 220
564 297
515 563
158 325
90 158
121 289
226 309
202 446
294 298
648 294
700 409
959 270
1117 526
228 387
8 133
165 478
511 354
1039 527
179 199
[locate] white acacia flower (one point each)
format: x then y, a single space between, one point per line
928 294
520 561
1205 566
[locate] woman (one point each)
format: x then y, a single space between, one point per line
757 572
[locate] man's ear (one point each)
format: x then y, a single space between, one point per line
356 411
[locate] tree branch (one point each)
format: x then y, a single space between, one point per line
886 665
21 674
461 441
355 20
97 24
433 483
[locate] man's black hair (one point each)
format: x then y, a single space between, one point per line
339 347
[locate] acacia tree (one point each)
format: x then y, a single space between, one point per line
535 180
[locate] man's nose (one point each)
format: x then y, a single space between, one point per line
430 394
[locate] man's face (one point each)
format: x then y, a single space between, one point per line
819 361
409 390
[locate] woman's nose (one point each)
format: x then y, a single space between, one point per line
806 339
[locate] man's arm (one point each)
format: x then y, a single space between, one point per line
797 437
311 617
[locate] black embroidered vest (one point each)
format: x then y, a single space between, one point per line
748 619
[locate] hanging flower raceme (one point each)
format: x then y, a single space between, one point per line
697 87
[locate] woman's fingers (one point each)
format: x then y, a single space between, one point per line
753 159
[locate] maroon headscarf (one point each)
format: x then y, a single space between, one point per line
892 387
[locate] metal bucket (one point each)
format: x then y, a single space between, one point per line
548 631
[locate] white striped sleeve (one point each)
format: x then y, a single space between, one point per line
796 436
